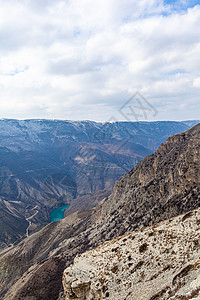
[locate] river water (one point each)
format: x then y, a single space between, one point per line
58 213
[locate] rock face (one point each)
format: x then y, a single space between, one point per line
158 262
162 186
48 163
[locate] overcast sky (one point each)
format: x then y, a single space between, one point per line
84 59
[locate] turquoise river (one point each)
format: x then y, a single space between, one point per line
58 213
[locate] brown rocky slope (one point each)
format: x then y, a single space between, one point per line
162 186
157 262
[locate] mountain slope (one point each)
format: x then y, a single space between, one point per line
158 262
162 186
45 164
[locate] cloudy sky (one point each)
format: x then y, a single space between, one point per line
84 59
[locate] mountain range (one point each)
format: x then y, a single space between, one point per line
45 164
160 187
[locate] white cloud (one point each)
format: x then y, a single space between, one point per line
196 82
77 59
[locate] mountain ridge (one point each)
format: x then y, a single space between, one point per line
46 164
142 197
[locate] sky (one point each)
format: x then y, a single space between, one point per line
102 60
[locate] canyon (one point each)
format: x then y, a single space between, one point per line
45 164
162 186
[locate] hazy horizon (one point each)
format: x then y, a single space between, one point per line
87 120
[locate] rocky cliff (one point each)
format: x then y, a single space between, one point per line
162 186
158 262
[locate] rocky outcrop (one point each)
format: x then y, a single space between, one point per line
162 186
158 262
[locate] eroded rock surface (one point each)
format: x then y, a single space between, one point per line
158 262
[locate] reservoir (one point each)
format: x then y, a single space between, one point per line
58 213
